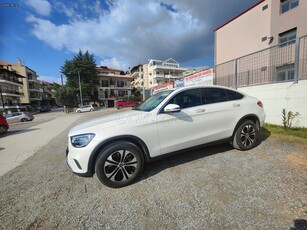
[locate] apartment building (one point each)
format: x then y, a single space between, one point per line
31 87
113 84
161 72
11 85
155 73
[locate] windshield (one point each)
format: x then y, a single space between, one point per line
153 101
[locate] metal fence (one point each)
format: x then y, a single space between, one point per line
281 63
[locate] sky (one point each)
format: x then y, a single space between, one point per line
119 33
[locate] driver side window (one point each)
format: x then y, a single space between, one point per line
187 99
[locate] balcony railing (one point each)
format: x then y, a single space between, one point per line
10 79
167 76
6 91
40 90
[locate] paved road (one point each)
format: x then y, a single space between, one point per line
24 139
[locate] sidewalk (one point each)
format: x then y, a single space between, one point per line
16 148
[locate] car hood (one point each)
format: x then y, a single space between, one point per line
113 121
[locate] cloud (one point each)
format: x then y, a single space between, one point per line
42 7
129 32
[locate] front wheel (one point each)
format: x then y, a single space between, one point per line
119 107
23 120
245 136
119 164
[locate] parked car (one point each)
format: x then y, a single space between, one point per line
19 116
125 103
85 108
115 147
4 126
44 108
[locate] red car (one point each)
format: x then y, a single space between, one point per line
3 125
125 103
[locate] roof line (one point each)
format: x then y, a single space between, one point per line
261 1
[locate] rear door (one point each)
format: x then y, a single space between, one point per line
223 110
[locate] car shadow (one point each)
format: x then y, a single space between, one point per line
160 165
16 132
264 134
299 224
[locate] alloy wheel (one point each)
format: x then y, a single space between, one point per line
248 135
120 165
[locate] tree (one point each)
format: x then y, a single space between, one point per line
85 66
65 95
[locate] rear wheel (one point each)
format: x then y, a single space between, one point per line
23 120
246 136
119 164
119 107
3 129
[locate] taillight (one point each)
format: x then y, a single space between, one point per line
259 103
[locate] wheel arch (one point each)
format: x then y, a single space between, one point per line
252 117
128 138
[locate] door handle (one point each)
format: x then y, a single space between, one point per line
236 105
200 110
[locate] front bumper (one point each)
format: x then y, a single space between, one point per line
75 166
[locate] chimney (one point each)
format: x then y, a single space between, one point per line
19 63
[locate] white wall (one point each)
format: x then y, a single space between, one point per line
275 97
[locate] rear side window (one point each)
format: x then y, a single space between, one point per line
232 95
215 95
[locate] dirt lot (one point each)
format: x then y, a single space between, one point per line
211 188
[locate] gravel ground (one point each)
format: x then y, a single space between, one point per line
211 188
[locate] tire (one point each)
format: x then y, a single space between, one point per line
119 164
79 111
23 120
119 107
246 136
3 129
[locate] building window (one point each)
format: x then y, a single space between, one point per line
105 83
285 73
287 37
286 5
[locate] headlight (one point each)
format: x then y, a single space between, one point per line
81 141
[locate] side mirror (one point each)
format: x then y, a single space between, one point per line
172 108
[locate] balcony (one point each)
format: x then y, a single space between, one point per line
161 76
11 93
11 81
31 79
33 89
35 98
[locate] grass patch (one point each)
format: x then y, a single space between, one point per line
276 129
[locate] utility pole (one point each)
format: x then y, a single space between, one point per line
2 99
81 101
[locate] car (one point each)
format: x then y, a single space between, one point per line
85 108
4 126
44 108
117 146
19 116
125 103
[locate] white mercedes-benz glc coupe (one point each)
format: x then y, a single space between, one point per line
115 147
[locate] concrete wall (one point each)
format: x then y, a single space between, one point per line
275 97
